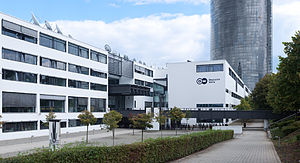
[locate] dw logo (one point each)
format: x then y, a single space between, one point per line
201 81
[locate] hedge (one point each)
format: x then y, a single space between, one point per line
152 150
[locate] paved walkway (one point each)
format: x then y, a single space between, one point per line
250 147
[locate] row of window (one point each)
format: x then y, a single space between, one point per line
143 83
50 80
144 71
209 105
32 125
26 103
234 95
26 34
209 68
31 59
232 74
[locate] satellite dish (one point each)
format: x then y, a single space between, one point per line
35 21
48 25
58 30
107 48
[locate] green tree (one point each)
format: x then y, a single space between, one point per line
1 122
143 121
284 90
51 115
87 118
161 119
176 115
259 94
111 119
244 105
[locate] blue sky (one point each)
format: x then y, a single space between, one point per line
153 31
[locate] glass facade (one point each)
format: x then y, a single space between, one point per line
241 33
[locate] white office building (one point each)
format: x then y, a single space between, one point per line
204 85
43 70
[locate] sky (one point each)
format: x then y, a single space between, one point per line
151 31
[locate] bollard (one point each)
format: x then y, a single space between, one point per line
31 138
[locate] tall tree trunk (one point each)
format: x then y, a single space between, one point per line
142 135
87 134
113 131
176 128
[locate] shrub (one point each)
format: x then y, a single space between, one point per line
298 138
152 150
283 123
288 129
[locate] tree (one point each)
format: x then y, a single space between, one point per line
187 116
87 118
130 118
50 116
161 119
176 115
1 122
244 105
284 90
142 121
112 119
259 94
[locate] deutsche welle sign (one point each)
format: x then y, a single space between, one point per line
203 81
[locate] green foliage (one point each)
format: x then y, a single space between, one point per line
87 118
142 121
176 114
161 118
153 150
244 105
283 123
50 116
288 129
284 90
298 138
112 119
260 93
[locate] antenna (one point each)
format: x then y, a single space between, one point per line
34 19
48 25
107 48
58 30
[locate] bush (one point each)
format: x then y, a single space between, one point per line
298 138
152 150
283 123
288 129
277 132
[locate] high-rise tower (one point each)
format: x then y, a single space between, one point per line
241 33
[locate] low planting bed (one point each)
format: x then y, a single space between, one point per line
152 150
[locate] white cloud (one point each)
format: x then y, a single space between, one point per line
143 2
286 21
155 39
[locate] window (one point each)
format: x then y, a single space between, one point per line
99 121
209 105
148 104
52 63
78 50
234 77
139 82
75 123
148 84
144 71
99 57
18 102
77 104
49 80
234 95
19 126
17 31
98 87
52 42
78 69
78 84
52 103
98 105
19 76
209 68
18 56
98 74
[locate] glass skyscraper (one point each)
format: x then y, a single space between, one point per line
241 33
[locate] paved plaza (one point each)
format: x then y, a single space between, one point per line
250 147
